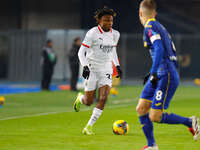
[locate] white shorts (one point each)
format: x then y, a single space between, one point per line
97 80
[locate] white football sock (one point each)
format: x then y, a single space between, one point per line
81 98
95 115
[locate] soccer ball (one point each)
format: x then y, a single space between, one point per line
120 127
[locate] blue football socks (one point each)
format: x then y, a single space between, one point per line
147 129
175 119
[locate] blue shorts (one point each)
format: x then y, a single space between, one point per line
161 95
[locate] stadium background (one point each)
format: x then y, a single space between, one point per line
25 26
46 120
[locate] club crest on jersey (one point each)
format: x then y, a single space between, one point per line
106 48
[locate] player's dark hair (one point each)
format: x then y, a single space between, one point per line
104 11
149 4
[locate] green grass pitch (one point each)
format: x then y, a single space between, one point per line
46 121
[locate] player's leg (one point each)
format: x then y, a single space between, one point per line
97 111
164 93
88 97
104 84
142 109
103 95
166 88
170 118
88 100
147 125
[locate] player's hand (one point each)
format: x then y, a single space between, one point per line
119 71
86 72
146 78
154 79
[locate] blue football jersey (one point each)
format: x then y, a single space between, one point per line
154 31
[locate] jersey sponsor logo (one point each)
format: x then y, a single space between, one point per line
106 48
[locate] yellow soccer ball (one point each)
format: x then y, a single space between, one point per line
120 127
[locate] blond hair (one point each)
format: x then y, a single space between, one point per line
148 7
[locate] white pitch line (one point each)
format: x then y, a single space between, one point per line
49 113
36 115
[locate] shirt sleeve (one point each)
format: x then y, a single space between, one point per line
82 55
159 52
116 38
153 35
87 42
115 56
156 42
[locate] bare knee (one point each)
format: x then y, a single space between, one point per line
141 110
155 116
143 107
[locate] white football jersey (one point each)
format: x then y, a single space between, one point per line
100 45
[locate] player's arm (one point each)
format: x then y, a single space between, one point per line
156 41
115 56
159 52
82 54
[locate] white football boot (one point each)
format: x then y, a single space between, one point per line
150 147
195 130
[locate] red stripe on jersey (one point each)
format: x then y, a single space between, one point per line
85 45
100 29
150 33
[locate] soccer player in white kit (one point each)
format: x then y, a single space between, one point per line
96 54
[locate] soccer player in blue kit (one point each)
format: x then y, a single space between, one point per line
162 81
